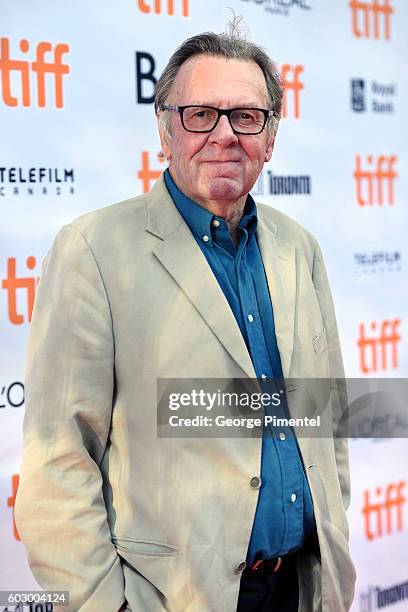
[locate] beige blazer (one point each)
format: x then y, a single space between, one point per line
106 509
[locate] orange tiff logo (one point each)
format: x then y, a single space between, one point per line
291 83
40 67
146 174
146 7
378 171
12 283
378 351
385 514
15 479
369 13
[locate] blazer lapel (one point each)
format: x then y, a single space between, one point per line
183 259
279 262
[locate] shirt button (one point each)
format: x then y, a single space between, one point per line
206 238
215 223
255 482
250 318
239 568
263 376
293 497
282 436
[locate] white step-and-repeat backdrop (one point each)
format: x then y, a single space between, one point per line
77 132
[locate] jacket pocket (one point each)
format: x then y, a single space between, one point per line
148 548
320 342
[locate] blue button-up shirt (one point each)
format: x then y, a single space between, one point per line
284 513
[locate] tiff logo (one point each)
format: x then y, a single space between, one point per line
378 351
383 171
291 83
370 13
145 7
12 283
146 174
384 514
12 500
40 67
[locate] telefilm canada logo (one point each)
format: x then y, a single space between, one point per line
282 7
36 181
377 598
377 262
372 96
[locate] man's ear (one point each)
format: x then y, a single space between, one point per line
165 137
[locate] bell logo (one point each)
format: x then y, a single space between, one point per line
146 7
367 14
382 171
12 500
386 511
291 83
374 355
12 283
40 67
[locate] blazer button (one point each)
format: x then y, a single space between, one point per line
239 568
255 482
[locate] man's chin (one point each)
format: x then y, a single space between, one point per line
224 188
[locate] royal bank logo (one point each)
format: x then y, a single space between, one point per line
358 99
36 181
282 7
377 262
372 96
378 598
269 183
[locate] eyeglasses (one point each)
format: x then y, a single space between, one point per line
196 118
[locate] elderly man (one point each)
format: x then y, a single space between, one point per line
193 280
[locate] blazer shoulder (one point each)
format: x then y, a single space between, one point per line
287 228
113 218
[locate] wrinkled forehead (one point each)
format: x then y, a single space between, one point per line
206 79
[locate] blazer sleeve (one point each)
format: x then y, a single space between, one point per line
60 511
338 384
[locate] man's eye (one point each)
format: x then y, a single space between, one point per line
202 114
246 117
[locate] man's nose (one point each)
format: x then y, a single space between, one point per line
223 133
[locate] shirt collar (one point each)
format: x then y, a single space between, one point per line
200 220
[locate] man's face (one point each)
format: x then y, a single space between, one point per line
218 166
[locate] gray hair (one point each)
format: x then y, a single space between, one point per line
231 45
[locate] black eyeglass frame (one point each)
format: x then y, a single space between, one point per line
221 111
